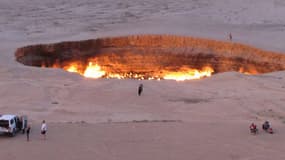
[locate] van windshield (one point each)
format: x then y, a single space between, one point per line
4 123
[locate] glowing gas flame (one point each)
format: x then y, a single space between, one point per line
93 71
250 71
189 74
73 67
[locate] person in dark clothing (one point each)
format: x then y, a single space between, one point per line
265 126
28 133
140 89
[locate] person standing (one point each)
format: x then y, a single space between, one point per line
44 129
28 133
230 37
140 89
265 126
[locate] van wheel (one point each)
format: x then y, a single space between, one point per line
13 133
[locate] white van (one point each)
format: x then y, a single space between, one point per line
11 124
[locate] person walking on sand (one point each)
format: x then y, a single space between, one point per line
140 89
28 132
44 129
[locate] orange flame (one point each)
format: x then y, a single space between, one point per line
250 71
93 71
72 67
189 74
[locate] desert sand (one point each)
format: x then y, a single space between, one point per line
105 119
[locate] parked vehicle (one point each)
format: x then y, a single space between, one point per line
11 124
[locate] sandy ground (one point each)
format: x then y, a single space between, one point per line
205 119
148 140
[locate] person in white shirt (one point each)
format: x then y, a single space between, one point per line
44 129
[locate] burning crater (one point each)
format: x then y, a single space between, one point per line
151 57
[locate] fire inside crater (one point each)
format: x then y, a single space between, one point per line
151 57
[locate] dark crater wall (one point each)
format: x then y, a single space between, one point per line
152 53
